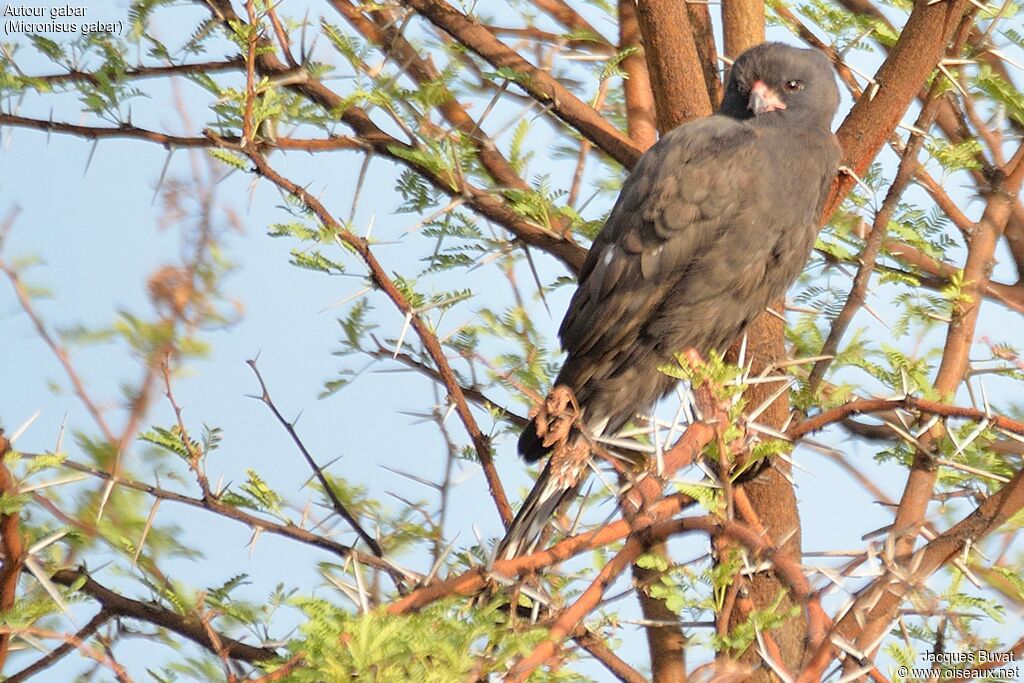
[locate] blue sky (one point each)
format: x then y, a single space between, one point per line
96 231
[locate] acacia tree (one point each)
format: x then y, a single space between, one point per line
452 97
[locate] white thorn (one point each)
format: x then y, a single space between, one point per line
24 426
106 496
401 337
71 479
344 301
44 580
49 540
440 560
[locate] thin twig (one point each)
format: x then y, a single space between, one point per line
879 230
103 658
430 342
339 507
61 650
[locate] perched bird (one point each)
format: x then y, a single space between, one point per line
716 221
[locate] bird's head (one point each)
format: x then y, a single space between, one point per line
790 82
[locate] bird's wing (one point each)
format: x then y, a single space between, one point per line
684 194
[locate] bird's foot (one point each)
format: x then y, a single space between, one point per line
556 416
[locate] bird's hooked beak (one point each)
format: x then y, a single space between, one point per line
764 99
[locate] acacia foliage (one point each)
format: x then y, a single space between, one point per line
508 131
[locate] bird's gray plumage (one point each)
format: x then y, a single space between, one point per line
715 222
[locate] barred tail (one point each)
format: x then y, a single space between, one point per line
548 494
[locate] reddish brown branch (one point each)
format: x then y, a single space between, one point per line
572 255
611 661
568 619
472 581
872 120
680 93
545 89
769 498
742 25
471 393
429 340
989 516
704 38
917 492
282 36
1011 296
789 571
484 202
948 123
61 650
636 505
11 543
192 629
666 643
284 670
959 338
558 39
873 245
103 657
863 406
641 118
386 35
944 201
565 15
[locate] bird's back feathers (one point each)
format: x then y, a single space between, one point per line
706 232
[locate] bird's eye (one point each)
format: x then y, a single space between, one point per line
794 86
